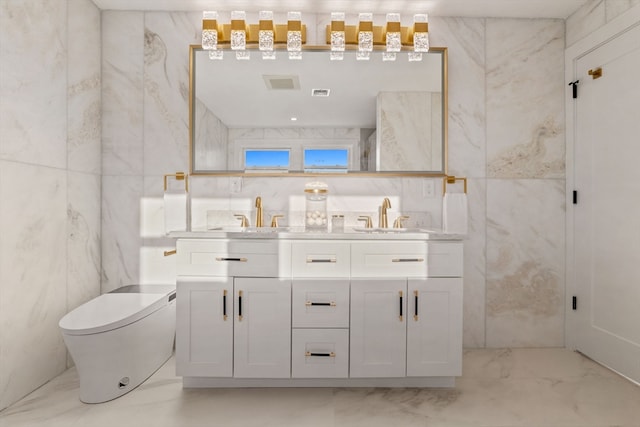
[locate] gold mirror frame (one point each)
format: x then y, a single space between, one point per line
445 136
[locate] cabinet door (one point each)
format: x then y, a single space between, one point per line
204 327
378 328
434 327
262 322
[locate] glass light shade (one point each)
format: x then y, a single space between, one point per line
365 32
266 37
209 30
337 33
238 30
421 33
393 39
294 35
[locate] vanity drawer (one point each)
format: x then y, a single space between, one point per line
389 259
320 259
320 353
224 258
446 259
320 303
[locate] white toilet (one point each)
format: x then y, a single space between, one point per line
119 339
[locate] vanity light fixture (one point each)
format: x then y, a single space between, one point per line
239 34
266 35
393 39
210 34
365 36
294 35
337 36
420 36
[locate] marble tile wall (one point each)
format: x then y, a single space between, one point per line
50 167
506 134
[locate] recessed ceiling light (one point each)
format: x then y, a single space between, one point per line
293 119
320 92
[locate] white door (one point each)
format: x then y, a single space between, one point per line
434 327
262 335
607 214
378 328
204 327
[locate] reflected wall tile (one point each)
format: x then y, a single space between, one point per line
33 283
167 38
525 263
615 8
586 19
83 238
33 90
121 240
84 100
475 267
465 40
122 92
525 67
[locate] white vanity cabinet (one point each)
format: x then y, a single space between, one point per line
323 311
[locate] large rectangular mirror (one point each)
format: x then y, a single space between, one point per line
315 115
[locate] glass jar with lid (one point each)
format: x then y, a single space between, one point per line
316 205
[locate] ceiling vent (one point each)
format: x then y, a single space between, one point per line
320 92
276 82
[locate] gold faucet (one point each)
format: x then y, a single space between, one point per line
258 211
383 222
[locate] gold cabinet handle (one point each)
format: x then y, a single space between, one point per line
314 354
331 260
325 304
171 252
407 260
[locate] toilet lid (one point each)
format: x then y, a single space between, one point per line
110 311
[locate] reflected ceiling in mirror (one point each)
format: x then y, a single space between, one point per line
390 116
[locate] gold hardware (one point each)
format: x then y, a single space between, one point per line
596 73
330 354
224 294
179 176
452 180
383 221
330 304
415 316
274 220
331 260
407 260
398 222
244 222
367 219
171 252
259 218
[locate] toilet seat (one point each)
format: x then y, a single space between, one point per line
111 311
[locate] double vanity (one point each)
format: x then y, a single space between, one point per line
267 307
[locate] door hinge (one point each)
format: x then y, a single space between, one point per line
575 197
574 86
574 302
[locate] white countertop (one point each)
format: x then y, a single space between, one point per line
300 233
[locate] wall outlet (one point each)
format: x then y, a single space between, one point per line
428 188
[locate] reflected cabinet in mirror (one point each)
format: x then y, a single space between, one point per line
315 115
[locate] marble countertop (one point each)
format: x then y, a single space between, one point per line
300 233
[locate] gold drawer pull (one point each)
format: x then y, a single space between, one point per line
326 304
231 259
320 260
407 260
310 354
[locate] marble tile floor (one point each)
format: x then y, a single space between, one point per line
549 387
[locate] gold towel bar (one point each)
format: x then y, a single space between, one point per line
452 180
180 176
